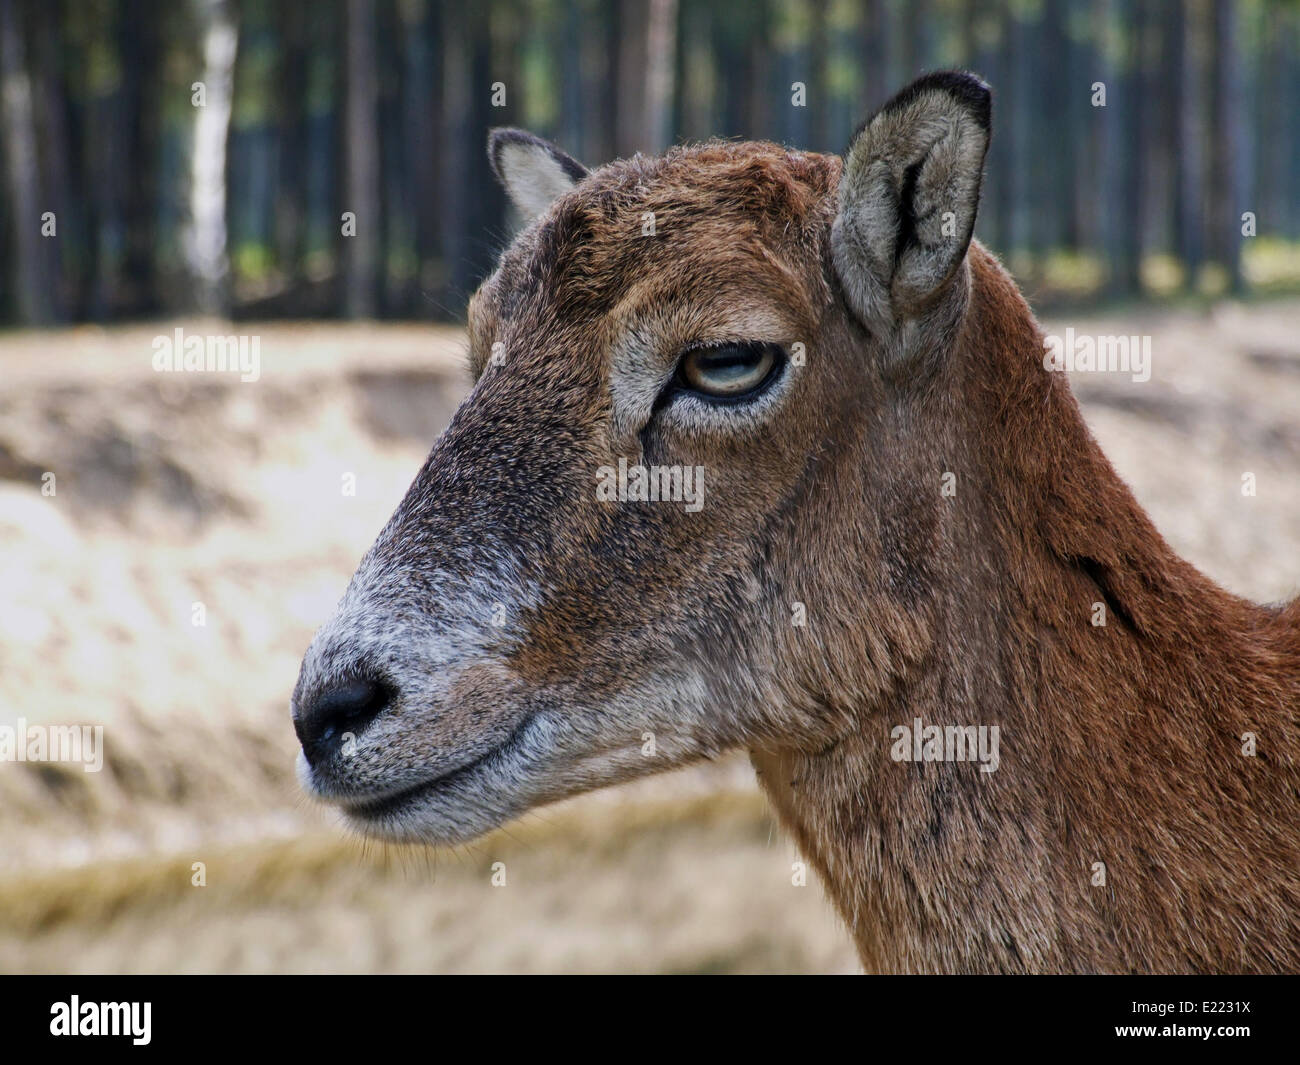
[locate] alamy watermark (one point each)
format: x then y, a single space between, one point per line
947 743
651 484
82 744
75 1017
1085 353
208 354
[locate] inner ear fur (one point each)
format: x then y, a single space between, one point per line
909 194
534 172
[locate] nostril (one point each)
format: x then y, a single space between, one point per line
345 708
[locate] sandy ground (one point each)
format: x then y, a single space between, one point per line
179 491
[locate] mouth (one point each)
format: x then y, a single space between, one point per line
386 810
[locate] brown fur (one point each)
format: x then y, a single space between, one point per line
1120 744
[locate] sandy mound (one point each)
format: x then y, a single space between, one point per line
179 496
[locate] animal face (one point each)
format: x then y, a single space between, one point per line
630 547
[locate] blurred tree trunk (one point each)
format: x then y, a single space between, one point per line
1272 121
361 152
980 27
495 56
52 123
140 48
1007 149
1126 278
917 46
472 201
1291 81
32 285
1107 146
1163 185
1185 83
761 83
572 131
321 169
1016 97
873 54
206 235
743 61
1034 164
421 110
819 99
395 223
630 132
644 85
1054 146
502 56
1078 113
661 74
699 73
1229 155
600 46
453 144
1051 111
290 194
734 81
105 175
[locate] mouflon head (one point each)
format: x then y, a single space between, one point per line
667 520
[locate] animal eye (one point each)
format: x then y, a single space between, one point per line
729 371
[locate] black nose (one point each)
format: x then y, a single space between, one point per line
336 712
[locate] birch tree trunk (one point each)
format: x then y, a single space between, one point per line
361 149
205 238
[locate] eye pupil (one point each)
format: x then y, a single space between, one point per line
729 371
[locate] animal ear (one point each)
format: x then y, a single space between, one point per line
534 172
908 195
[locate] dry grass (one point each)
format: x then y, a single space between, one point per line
588 890
180 489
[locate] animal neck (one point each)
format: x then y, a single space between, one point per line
1114 675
